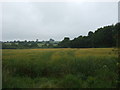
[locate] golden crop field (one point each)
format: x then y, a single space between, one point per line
60 67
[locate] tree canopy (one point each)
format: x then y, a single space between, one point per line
103 37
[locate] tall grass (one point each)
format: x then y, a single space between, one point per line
52 68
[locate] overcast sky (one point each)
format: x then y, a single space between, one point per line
31 21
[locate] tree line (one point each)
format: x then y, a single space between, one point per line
29 44
107 36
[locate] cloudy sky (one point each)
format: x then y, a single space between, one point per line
45 20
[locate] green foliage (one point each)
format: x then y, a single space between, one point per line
71 81
101 38
65 43
29 44
65 68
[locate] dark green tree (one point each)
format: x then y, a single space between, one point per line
65 43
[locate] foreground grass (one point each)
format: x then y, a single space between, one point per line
64 68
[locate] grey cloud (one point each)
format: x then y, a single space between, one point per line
55 20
